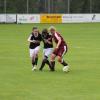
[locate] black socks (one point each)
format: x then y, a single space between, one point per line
42 65
48 63
45 61
33 63
36 60
64 63
52 65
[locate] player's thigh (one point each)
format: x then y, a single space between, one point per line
37 50
52 57
59 59
48 52
32 51
62 51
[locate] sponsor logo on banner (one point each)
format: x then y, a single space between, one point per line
31 18
22 18
7 18
10 18
2 18
75 18
96 18
51 18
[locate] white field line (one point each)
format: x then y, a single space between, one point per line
19 58
79 47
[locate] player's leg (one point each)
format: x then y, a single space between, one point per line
52 62
45 60
53 56
48 52
33 62
65 64
32 52
60 60
36 59
36 51
61 53
43 63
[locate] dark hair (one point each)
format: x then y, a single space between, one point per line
45 33
34 28
45 30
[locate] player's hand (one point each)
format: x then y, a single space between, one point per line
34 41
49 39
46 41
56 50
57 47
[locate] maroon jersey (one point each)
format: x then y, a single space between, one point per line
56 39
61 51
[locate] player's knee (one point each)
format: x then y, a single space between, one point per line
45 58
36 55
32 58
59 59
52 57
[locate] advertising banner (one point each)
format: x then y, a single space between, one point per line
2 18
28 18
10 18
95 18
76 18
51 18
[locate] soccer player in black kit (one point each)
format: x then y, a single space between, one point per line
34 40
48 48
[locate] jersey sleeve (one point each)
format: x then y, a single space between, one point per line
57 36
30 37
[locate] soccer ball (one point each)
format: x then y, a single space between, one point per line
66 69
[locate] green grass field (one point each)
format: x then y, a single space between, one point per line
18 82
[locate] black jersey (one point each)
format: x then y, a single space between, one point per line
47 45
38 38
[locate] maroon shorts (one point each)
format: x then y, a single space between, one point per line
61 51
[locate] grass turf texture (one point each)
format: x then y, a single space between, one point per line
18 82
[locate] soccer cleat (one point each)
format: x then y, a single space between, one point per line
34 68
40 69
66 69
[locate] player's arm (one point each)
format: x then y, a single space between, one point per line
37 41
48 41
59 41
29 39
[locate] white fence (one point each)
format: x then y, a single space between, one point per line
8 18
28 18
80 18
38 18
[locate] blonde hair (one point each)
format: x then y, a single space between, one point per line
52 28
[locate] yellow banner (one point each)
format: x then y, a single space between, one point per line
51 18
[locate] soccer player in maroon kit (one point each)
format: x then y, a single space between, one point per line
59 51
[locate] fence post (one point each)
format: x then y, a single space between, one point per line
45 6
90 6
49 8
68 6
27 5
5 6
